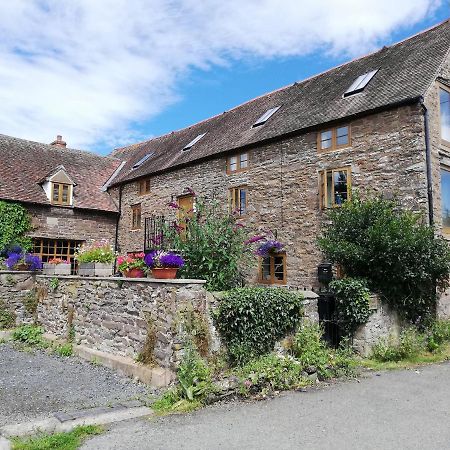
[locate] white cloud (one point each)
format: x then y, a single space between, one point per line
88 69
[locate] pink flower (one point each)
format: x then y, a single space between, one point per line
247 383
174 205
255 238
120 260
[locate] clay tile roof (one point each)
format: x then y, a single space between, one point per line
405 71
25 164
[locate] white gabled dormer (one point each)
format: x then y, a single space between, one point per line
58 187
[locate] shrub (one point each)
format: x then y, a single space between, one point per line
270 373
64 350
410 345
250 320
29 334
352 303
7 317
437 334
401 258
14 224
212 244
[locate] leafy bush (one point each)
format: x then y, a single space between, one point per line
195 384
314 354
401 258
410 345
352 303
437 334
212 244
250 320
7 317
15 222
270 373
29 334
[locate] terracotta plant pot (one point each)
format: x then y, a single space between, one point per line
21 267
164 273
133 273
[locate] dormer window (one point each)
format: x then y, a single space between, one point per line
61 194
58 186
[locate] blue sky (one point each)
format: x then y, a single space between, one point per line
113 72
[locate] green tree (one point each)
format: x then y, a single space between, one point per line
15 222
400 257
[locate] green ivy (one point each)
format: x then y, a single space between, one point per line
250 320
15 222
400 257
352 303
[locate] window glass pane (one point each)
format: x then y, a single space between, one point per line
147 186
233 163
342 136
265 269
329 182
55 192
244 160
65 193
242 201
445 114
340 187
445 196
279 268
325 139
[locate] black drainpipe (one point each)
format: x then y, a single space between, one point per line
116 241
428 162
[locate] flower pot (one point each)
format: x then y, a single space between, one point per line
95 269
21 267
133 273
56 269
164 273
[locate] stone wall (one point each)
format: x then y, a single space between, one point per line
114 315
386 156
72 224
18 294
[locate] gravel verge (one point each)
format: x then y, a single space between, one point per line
36 385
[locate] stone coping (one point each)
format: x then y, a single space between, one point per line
16 272
123 279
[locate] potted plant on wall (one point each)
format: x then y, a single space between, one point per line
22 261
132 265
95 259
164 265
56 266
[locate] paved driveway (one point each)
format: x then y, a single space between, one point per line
396 410
35 385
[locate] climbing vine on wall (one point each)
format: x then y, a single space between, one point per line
15 222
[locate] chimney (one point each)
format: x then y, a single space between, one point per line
59 142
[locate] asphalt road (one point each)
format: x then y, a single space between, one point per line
393 410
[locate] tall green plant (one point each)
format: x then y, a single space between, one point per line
400 257
15 222
212 244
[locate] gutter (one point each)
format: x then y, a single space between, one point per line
116 240
428 162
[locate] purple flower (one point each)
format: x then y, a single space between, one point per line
253 239
12 260
34 262
190 191
173 205
148 258
171 260
269 247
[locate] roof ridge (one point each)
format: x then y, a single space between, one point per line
59 148
296 83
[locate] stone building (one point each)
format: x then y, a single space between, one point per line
63 189
380 123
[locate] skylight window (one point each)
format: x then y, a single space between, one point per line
193 142
360 83
266 116
142 160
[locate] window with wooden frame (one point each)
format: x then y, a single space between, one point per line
185 209
272 269
48 249
334 138
445 199
335 187
238 200
136 217
444 111
237 163
61 194
144 186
